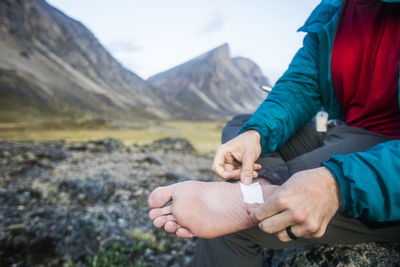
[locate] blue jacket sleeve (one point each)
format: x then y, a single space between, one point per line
293 101
369 182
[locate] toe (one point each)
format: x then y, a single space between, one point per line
160 196
160 221
171 226
171 218
184 233
154 213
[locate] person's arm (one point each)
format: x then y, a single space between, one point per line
292 102
369 182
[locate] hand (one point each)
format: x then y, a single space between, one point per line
235 159
307 202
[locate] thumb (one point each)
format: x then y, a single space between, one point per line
246 175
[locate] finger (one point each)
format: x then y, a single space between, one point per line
235 174
271 207
276 223
246 175
308 229
229 167
229 159
184 233
283 236
219 165
257 166
318 234
219 161
154 213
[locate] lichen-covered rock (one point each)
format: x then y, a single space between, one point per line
364 254
100 146
172 144
90 206
20 158
88 191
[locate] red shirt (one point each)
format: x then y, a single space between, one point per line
365 65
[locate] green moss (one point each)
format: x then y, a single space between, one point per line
117 255
140 236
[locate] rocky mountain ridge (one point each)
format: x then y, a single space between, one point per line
214 85
52 62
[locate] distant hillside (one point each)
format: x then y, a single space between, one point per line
50 63
214 85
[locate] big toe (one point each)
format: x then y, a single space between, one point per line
160 196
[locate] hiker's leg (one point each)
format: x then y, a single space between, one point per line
341 139
245 247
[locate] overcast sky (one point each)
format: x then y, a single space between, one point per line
150 36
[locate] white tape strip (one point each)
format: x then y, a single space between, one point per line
252 193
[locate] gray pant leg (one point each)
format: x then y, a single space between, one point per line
341 139
244 248
340 230
228 251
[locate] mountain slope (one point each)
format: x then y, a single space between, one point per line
213 85
51 62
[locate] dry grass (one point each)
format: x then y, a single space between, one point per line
205 136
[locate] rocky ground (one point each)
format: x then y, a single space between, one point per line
84 204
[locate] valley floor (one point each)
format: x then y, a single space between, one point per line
205 136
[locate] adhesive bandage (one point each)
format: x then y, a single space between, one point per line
252 193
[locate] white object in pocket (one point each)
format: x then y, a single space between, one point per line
321 121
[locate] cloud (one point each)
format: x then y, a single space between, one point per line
214 25
123 46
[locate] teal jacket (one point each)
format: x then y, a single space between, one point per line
369 181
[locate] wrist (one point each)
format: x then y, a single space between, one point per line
255 134
333 185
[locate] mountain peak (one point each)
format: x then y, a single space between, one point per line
222 49
220 52
213 85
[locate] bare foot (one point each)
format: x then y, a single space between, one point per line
202 209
